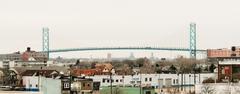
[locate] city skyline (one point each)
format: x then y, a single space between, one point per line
117 23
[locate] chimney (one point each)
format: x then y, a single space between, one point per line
28 49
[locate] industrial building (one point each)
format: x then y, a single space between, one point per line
225 53
10 64
25 56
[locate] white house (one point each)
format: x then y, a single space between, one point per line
31 79
31 83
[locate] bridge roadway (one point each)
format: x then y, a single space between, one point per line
122 48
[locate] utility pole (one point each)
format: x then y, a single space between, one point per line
111 80
181 81
140 86
178 81
70 82
190 83
159 83
140 83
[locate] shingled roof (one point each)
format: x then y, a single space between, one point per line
46 73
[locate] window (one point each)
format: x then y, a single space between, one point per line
88 85
117 81
30 85
36 85
121 80
177 81
83 84
103 80
173 81
108 81
150 79
138 81
66 85
148 92
145 79
235 69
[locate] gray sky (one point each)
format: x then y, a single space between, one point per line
98 23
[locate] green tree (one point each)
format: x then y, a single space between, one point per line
77 63
93 65
130 63
140 62
173 68
212 67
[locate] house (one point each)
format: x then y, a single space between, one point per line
83 72
229 71
105 68
82 85
30 78
30 55
65 84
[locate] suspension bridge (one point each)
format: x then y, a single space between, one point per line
192 45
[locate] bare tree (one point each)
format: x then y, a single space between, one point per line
207 89
186 65
147 67
172 90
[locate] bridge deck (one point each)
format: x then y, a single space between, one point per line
122 48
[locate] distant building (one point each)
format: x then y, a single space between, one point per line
7 64
131 57
12 57
109 57
100 69
220 54
28 58
28 55
10 64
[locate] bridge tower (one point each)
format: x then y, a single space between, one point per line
45 40
193 36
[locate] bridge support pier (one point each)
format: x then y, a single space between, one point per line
193 46
45 41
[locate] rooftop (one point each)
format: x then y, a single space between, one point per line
229 62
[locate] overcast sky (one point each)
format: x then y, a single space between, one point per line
98 23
